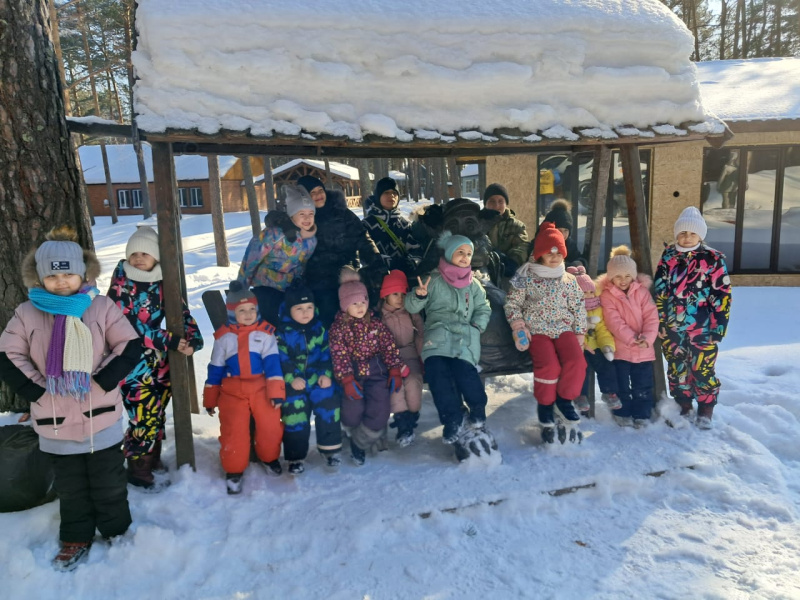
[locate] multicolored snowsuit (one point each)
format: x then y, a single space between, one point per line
146 390
693 297
305 354
364 348
244 377
270 264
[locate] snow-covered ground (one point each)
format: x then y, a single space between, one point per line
721 522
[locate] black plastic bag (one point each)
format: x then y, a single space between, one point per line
26 475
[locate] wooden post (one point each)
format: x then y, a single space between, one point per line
640 237
594 224
364 183
252 198
169 242
217 212
328 178
455 176
269 184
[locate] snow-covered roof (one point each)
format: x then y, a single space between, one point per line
470 170
752 89
123 168
339 169
474 70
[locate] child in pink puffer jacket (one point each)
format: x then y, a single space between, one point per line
631 316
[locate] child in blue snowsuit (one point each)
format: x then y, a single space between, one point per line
307 372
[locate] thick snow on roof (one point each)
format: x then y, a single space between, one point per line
122 164
349 68
339 169
753 89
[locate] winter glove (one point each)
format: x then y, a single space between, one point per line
395 380
211 398
608 352
522 335
352 389
405 371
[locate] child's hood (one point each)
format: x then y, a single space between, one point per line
30 278
603 282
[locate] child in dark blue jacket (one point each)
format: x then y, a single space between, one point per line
307 372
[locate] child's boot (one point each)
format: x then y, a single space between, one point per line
452 430
158 464
547 423
233 481
359 455
296 467
273 467
71 555
686 407
567 427
404 422
612 401
704 413
333 460
140 471
582 403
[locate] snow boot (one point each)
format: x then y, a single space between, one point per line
547 423
359 455
686 407
333 460
451 431
612 401
233 481
405 423
382 444
475 440
71 555
273 467
296 467
623 421
641 423
140 471
158 464
567 422
704 414
582 404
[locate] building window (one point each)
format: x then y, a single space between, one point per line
750 200
124 199
127 199
568 175
191 197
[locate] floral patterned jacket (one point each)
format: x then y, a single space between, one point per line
354 342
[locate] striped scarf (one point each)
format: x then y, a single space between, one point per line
69 355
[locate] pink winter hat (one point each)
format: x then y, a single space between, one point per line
621 263
584 281
351 290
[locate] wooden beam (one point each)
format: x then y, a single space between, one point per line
102 129
640 238
169 242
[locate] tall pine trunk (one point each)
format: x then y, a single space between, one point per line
39 181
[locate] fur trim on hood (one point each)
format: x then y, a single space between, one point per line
30 278
642 279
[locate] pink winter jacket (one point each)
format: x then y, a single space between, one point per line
407 330
26 340
628 316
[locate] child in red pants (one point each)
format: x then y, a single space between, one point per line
547 314
244 380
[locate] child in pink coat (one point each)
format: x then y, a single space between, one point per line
407 330
631 316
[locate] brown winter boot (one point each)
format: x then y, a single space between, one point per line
140 471
158 465
704 414
686 407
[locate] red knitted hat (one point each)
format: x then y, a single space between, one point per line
395 282
549 239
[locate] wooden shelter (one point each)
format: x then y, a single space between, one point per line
296 129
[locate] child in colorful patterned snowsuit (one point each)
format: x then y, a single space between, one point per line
278 255
245 380
598 346
456 313
366 364
693 297
546 310
407 330
65 351
136 288
307 372
631 316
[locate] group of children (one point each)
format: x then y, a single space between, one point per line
79 357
